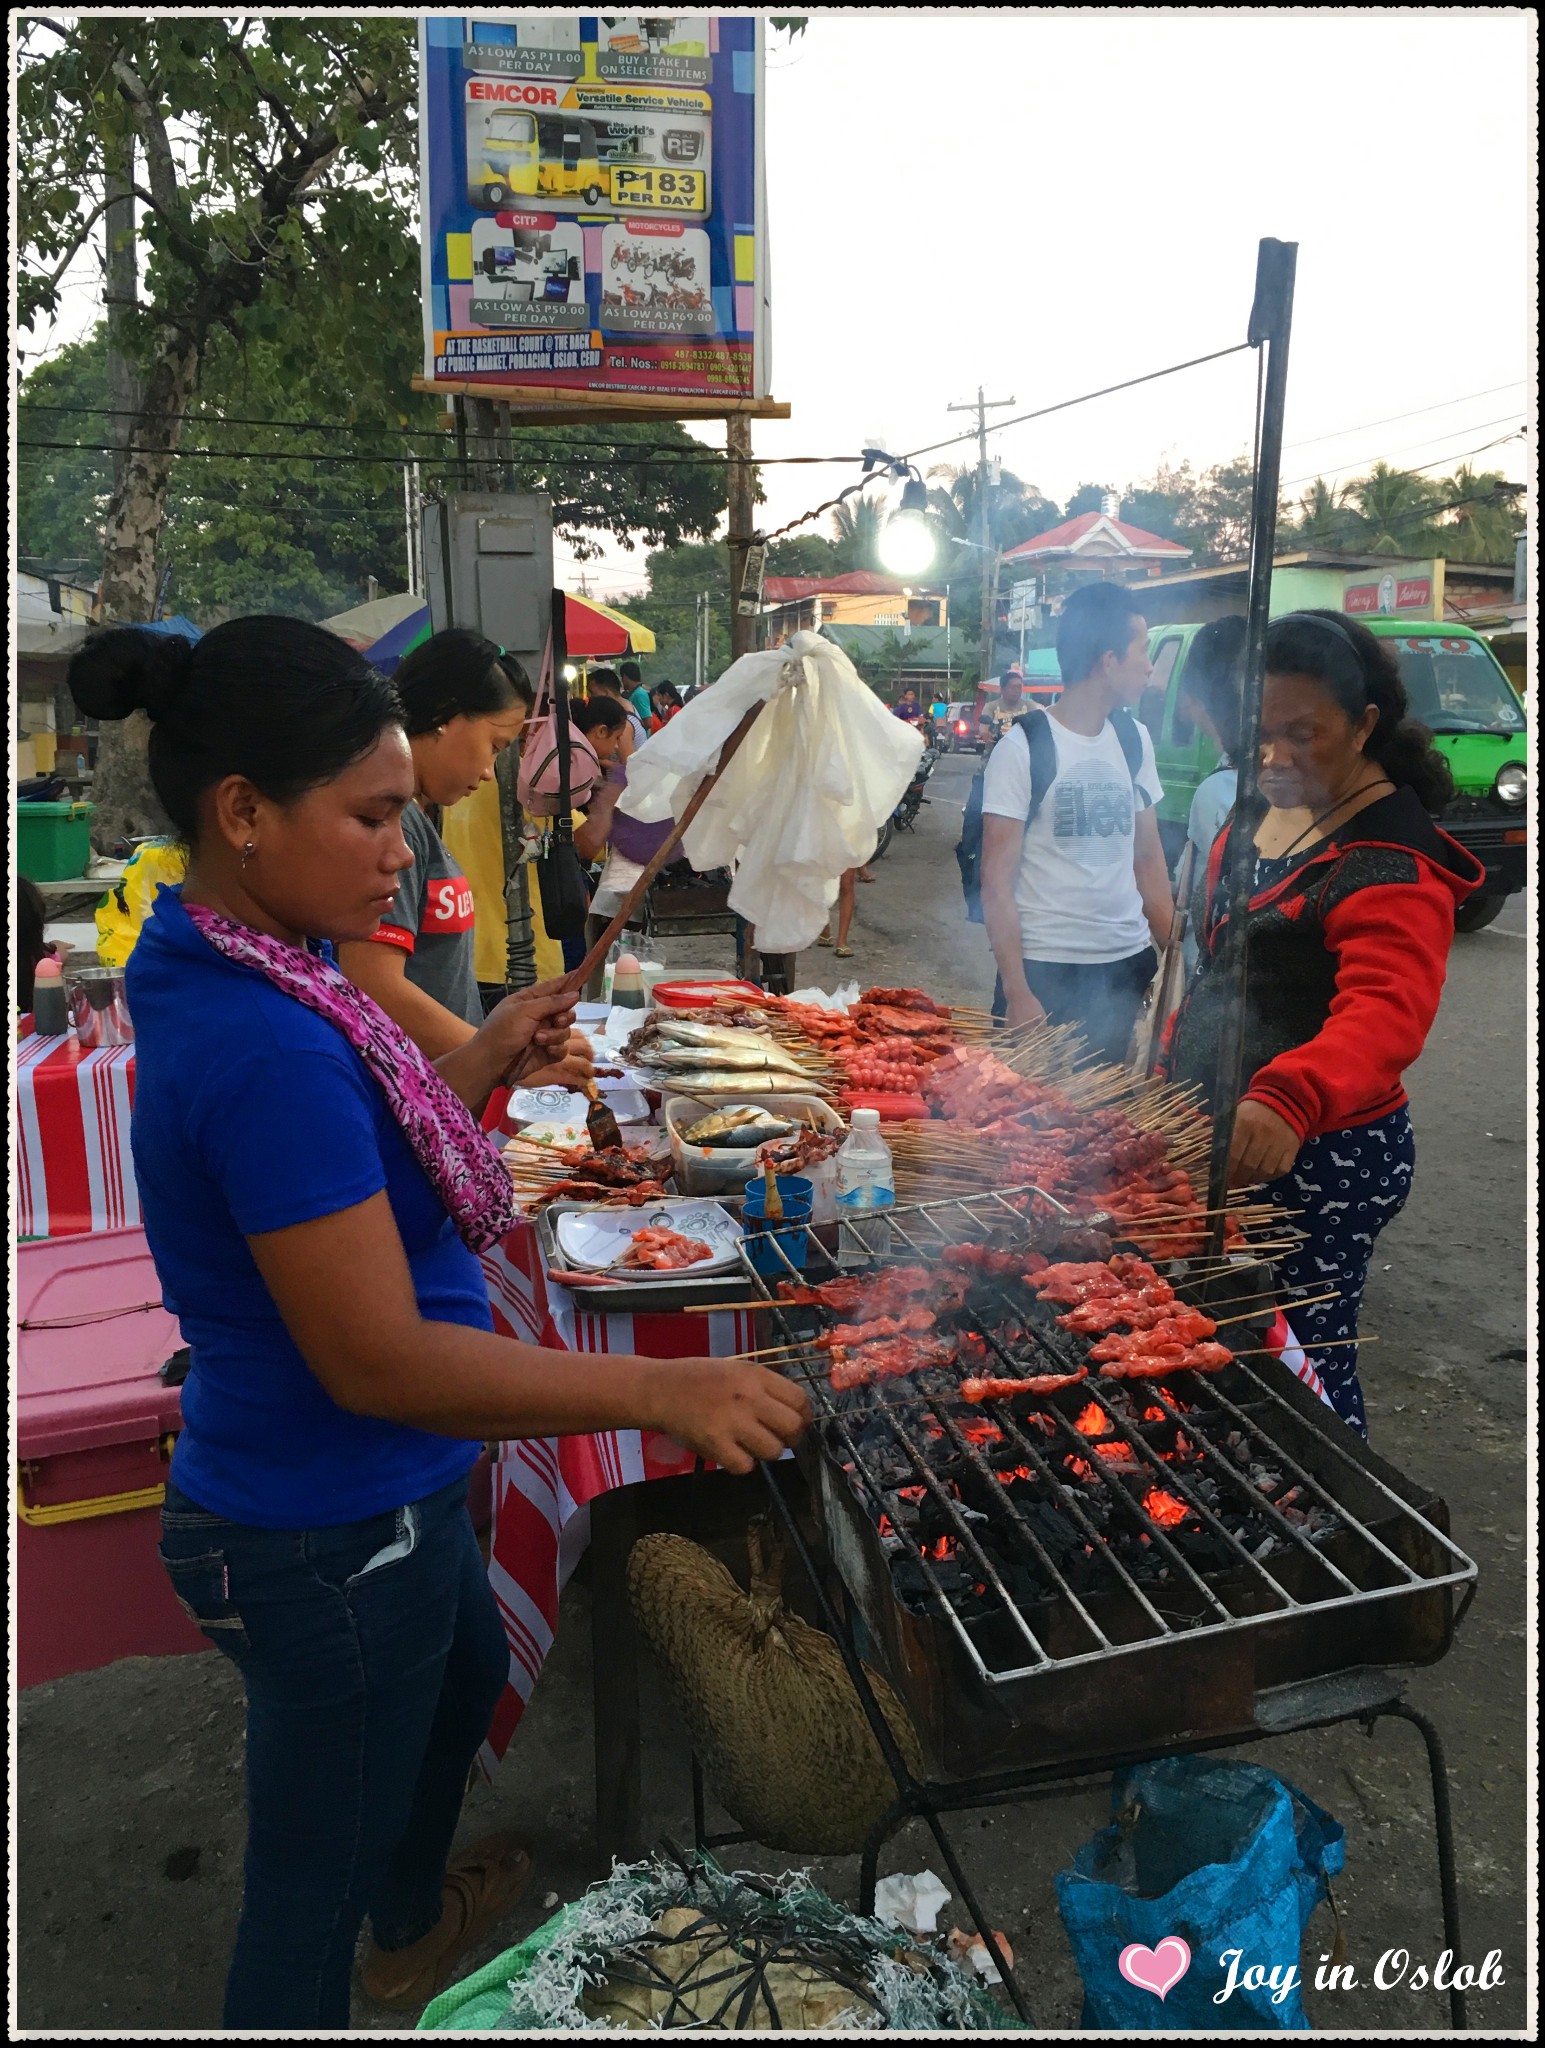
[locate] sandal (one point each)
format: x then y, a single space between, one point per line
844 952
825 939
482 1884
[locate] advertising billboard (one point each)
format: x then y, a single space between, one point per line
592 203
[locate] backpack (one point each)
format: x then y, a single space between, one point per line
1036 727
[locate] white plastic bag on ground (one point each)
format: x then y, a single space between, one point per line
803 799
911 1901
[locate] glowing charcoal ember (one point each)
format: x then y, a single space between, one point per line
1163 1508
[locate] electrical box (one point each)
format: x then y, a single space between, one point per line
488 565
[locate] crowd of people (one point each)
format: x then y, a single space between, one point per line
1349 910
315 1047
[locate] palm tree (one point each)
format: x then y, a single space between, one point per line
1015 510
1484 515
1326 518
856 529
1397 512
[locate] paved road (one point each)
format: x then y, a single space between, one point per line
121 1769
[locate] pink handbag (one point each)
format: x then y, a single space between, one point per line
538 780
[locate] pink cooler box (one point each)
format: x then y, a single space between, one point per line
95 1430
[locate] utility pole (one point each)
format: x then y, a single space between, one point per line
981 408
742 527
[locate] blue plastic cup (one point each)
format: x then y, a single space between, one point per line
790 1237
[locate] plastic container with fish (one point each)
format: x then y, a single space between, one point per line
725 1169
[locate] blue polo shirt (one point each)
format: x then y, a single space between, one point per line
251 1113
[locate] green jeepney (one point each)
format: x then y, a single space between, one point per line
1456 687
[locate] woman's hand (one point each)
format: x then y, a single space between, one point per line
574 1068
532 1021
1264 1148
728 1412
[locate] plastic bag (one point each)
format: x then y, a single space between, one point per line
1224 1858
129 901
804 797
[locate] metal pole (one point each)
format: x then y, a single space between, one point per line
1271 325
981 408
742 522
407 526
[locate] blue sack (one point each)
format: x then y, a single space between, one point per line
1220 1859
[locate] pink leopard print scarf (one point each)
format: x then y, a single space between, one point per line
462 1166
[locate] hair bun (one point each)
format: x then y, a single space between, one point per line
125 670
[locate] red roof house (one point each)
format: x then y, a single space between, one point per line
1097 540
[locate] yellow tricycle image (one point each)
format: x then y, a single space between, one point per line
531 156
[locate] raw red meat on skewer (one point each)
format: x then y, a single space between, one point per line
982 1258
1197 1358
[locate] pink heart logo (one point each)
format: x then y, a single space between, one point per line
1157 1970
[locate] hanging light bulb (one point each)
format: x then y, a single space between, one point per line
906 540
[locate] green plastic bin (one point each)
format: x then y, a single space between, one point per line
53 841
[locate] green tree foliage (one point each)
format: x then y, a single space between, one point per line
280 282
856 525
1323 520
1483 513
802 554
1470 516
1398 511
677 576
1087 498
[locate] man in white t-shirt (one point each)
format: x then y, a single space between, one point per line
1075 890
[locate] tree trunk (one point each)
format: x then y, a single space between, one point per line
125 804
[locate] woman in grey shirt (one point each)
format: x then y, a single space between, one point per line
466 701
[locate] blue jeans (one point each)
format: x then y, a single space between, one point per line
1102 997
373 1656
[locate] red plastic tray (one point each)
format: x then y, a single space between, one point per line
691 995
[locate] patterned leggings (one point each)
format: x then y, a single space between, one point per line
1349 1184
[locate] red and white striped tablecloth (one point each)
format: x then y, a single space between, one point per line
73 1169
543 1485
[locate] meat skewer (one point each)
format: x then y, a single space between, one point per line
1005 1389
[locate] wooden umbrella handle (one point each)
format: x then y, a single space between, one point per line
576 978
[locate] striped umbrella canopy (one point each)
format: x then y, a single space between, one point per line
595 632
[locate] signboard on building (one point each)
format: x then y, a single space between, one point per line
1407 590
593 204
1023 609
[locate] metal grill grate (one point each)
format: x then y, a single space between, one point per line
1330 1532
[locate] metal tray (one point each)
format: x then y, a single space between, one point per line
646 1297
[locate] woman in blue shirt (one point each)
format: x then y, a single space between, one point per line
314 1192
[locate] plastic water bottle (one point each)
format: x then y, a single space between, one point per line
866 1184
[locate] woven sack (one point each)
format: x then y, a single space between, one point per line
773 1715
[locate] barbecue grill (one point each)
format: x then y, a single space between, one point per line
1121 1569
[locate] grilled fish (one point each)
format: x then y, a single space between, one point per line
684 1031
727 1081
673 1058
742 1127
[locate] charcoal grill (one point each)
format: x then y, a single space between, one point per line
1301 1567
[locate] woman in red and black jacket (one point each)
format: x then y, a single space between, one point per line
1351 915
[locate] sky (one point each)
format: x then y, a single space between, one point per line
1044 203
